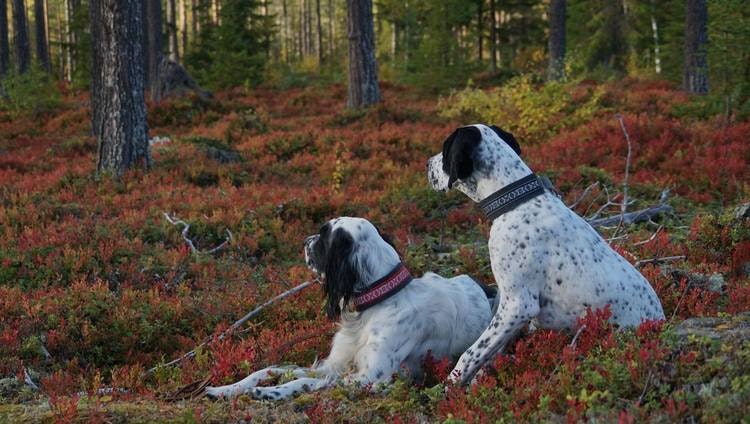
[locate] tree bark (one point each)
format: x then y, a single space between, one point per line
556 41
480 29
331 28
320 33
155 43
695 70
117 100
21 36
4 46
284 31
363 87
174 53
42 48
493 35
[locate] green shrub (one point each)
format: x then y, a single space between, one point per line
32 93
532 111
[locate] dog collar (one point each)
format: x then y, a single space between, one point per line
383 288
511 196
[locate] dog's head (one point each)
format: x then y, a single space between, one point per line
348 254
470 154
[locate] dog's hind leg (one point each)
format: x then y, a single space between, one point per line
290 389
246 384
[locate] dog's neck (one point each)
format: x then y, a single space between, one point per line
499 177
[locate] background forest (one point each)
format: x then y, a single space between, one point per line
243 123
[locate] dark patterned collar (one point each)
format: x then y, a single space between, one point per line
383 288
511 196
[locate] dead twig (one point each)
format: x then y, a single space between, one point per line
578 333
631 217
624 205
658 260
583 195
186 227
234 326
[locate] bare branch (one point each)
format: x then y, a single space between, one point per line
658 260
186 227
236 324
583 195
624 205
631 217
28 380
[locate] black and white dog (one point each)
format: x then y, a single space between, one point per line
389 321
549 264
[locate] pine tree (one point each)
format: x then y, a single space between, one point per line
363 68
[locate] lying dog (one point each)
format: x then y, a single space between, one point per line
549 264
389 321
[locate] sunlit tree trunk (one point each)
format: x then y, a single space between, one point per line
117 102
320 33
331 28
174 53
556 41
40 26
493 35
4 46
363 87
480 29
21 36
695 71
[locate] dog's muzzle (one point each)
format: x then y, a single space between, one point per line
308 249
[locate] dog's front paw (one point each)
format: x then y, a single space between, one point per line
454 377
216 393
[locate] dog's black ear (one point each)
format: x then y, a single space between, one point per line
507 138
458 150
340 274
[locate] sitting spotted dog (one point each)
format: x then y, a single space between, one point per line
388 320
550 265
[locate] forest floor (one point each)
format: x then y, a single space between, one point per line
96 286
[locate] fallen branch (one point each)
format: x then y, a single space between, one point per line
186 227
234 326
583 195
29 381
631 217
658 260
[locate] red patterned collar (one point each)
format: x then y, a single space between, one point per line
383 288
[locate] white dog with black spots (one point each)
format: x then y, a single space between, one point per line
550 265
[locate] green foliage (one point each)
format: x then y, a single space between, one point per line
234 52
33 93
532 111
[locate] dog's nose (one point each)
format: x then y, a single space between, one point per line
311 239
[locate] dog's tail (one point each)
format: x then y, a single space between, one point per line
489 291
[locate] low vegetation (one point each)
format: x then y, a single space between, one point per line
96 286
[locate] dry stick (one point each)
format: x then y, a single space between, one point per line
631 217
234 326
578 333
583 195
658 260
189 242
624 206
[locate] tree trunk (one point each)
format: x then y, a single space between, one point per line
42 48
320 33
174 53
556 41
183 7
331 28
480 30
363 87
21 36
284 31
493 35
695 71
657 50
154 44
4 46
117 103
